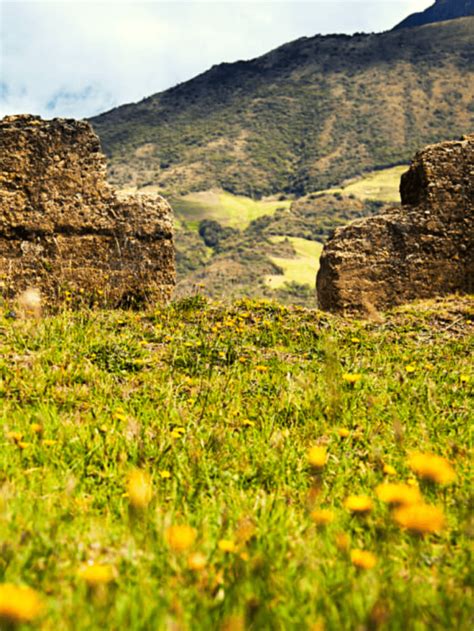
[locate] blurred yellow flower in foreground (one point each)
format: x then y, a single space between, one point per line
95 574
18 604
432 467
226 545
420 518
322 516
343 432
180 538
139 489
351 378
363 559
196 561
317 457
359 503
398 494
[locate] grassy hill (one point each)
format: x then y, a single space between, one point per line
301 118
276 254
195 467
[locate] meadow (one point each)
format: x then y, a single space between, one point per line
249 466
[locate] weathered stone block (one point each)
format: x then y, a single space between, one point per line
423 249
64 228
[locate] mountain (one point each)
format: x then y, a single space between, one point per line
440 11
302 117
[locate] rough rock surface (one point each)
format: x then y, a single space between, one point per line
423 249
63 228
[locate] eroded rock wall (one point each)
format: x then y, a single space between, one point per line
64 229
423 249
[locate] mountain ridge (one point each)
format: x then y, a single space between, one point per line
302 117
440 11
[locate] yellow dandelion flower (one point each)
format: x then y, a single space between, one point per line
432 467
363 559
389 470
22 445
95 574
420 518
351 378
226 545
165 474
398 494
322 516
342 541
261 368
464 378
343 432
196 561
355 340
36 428
16 437
49 443
119 415
180 538
317 457
18 604
410 368
359 504
139 489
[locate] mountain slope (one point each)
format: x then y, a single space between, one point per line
300 118
438 12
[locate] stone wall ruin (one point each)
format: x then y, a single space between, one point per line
421 250
65 231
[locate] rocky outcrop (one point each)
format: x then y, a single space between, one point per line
65 230
423 249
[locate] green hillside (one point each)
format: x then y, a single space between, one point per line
199 467
301 118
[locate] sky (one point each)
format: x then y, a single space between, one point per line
77 59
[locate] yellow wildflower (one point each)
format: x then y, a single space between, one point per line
410 368
49 443
363 559
343 432
18 604
317 457
165 474
226 545
464 378
389 470
139 489
342 541
197 561
351 378
359 504
95 574
398 494
322 516
180 538
432 467
16 437
36 428
261 368
420 518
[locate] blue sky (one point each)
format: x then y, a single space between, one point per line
69 58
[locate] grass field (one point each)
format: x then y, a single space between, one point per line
193 468
235 211
302 268
382 185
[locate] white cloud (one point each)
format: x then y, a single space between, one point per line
69 58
